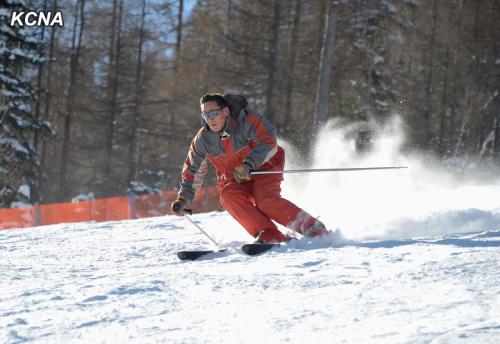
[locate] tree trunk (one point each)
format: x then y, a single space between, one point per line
496 82
75 54
444 108
464 127
227 25
50 171
174 88
496 143
428 140
325 68
178 39
109 106
133 146
273 62
291 66
36 137
35 187
496 146
109 181
455 83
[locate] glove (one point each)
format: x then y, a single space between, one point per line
241 172
178 205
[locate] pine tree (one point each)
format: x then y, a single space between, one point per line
19 57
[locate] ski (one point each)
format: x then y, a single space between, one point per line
193 255
253 249
249 249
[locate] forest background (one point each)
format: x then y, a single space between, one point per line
107 104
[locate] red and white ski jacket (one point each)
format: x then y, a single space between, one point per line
247 136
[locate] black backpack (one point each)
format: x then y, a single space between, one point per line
236 103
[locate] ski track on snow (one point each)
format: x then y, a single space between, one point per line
121 282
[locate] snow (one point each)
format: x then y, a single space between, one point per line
4 12
490 139
14 144
381 103
24 190
415 259
121 282
421 196
389 7
20 204
8 93
31 56
20 121
83 197
378 59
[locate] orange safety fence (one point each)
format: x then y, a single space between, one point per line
105 209
17 217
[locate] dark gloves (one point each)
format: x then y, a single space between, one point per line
178 206
241 172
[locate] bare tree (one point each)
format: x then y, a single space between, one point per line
113 83
74 56
325 67
178 39
496 148
443 112
3 110
177 58
290 71
46 168
133 146
496 77
496 145
35 187
273 61
39 83
428 82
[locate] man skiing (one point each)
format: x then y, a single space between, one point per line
237 141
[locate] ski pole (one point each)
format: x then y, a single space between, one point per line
190 212
308 170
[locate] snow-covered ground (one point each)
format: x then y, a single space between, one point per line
416 259
122 282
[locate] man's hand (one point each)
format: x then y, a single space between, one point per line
178 206
241 172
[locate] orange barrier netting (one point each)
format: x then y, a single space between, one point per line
105 209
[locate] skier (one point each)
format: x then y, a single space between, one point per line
236 141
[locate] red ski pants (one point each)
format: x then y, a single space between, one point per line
255 203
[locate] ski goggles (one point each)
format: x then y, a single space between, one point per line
210 114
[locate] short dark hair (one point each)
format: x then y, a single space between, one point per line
214 97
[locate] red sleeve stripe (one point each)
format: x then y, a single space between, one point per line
186 175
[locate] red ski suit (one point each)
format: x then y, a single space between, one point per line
254 204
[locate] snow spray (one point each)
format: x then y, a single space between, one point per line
426 199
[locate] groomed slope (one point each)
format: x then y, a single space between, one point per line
121 282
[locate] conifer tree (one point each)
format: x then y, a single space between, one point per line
19 58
